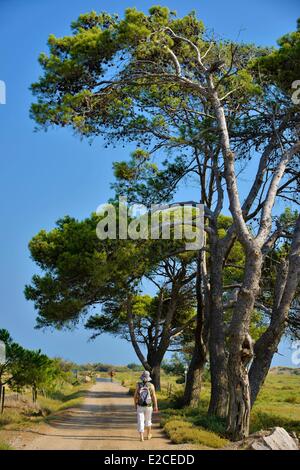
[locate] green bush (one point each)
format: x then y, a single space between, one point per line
175 424
176 400
260 420
135 367
212 423
169 413
181 431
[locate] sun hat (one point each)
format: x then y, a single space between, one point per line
145 377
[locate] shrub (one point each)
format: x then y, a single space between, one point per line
261 421
11 416
169 414
212 423
181 431
176 400
135 367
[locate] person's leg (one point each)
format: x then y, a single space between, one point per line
140 421
148 421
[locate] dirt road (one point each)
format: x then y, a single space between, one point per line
106 420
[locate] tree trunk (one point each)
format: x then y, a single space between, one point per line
134 342
2 398
193 384
218 405
264 351
34 394
239 403
155 374
154 359
241 350
266 346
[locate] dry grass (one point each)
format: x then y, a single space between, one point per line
18 413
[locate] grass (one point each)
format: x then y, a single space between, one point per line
5 446
278 404
181 431
19 413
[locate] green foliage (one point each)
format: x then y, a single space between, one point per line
26 368
281 66
261 420
144 182
176 365
5 446
38 372
107 272
211 422
97 78
182 431
77 264
15 359
134 367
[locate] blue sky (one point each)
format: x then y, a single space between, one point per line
47 175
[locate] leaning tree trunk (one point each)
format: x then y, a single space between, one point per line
134 341
264 350
241 350
218 405
266 346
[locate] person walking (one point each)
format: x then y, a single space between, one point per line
145 402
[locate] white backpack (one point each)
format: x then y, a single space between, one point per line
144 394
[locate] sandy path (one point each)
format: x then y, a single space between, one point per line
106 420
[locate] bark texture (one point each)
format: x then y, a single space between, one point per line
199 358
217 355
